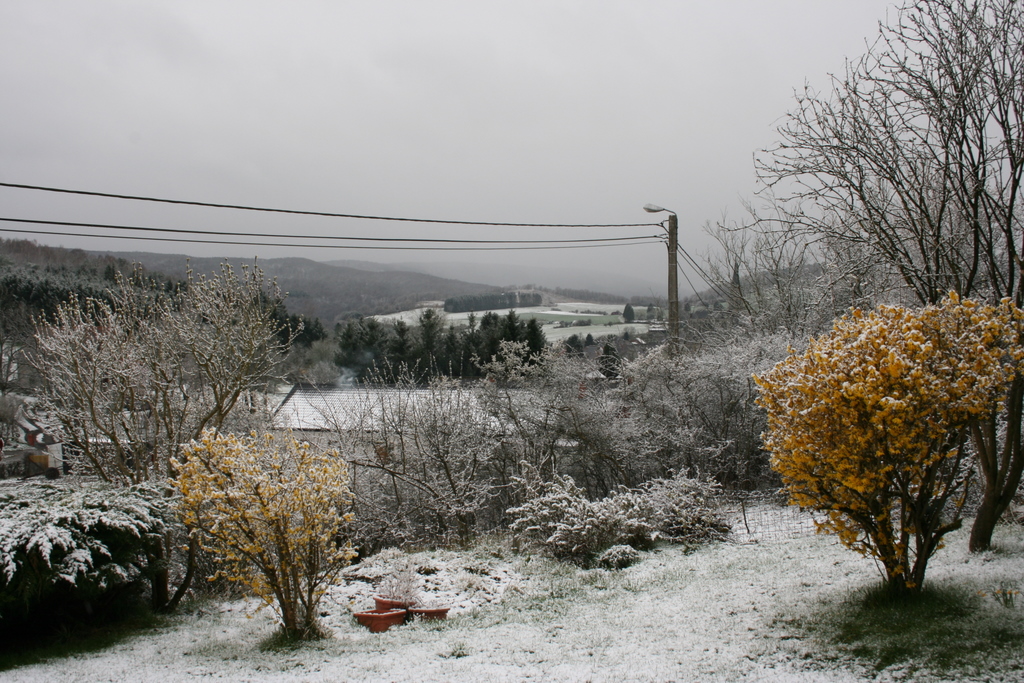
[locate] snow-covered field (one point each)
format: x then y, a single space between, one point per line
722 613
568 311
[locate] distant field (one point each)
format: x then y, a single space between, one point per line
548 316
413 316
552 333
599 316
597 313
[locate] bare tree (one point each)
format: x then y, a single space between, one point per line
419 456
133 381
916 158
694 413
15 337
769 278
559 416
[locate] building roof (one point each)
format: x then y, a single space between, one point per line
328 408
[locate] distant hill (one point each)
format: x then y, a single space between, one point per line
329 292
517 276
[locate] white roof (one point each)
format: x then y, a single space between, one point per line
319 408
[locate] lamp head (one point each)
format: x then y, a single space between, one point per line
653 208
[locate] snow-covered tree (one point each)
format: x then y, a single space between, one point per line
133 379
273 513
695 412
558 416
869 425
421 456
913 160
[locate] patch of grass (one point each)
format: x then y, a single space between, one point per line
70 638
282 641
942 629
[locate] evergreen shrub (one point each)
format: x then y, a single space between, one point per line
618 557
68 548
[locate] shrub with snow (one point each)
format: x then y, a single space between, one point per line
72 543
273 512
683 510
558 517
402 585
618 557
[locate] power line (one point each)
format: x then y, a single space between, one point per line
319 213
603 243
345 238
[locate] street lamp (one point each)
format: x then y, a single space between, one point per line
673 275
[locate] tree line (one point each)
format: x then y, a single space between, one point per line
369 347
484 302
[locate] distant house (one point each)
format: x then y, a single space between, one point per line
312 408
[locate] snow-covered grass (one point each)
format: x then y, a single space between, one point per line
778 609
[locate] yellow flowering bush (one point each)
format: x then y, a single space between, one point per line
272 512
869 424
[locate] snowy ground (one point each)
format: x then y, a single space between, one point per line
717 614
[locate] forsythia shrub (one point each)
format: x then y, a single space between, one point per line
870 424
272 512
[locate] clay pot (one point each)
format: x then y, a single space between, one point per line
429 613
387 603
379 620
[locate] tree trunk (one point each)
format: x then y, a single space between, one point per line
186 582
159 577
984 524
1001 469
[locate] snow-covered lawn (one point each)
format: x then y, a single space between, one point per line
722 613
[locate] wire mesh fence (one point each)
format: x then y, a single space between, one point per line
765 515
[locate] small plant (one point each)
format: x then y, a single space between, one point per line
1004 595
457 650
402 585
618 557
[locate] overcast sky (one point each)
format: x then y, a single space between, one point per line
545 111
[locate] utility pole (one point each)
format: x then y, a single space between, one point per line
673 283
673 276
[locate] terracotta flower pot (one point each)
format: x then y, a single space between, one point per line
378 620
429 613
387 603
